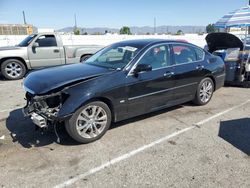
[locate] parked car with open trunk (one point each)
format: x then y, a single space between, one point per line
235 55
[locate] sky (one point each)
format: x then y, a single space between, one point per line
58 14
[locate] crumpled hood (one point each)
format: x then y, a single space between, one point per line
221 41
9 48
42 81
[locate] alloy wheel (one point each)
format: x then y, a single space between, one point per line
91 121
13 69
206 91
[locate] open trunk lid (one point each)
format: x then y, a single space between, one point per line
221 41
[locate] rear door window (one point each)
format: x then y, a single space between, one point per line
199 54
184 54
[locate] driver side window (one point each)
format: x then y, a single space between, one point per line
46 41
157 57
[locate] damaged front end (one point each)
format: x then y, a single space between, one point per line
43 109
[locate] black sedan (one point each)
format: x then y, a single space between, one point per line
123 80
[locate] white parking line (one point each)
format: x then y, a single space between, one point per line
142 148
121 158
221 113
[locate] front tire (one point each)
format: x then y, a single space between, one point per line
13 69
204 92
89 123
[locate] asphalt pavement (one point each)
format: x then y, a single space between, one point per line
183 146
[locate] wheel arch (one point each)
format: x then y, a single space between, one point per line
105 100
84 55
15 57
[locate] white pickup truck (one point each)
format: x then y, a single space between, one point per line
40 51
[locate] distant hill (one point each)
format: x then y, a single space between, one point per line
89 30
139 30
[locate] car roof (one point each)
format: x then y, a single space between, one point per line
146 42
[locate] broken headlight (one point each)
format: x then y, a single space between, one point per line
46 105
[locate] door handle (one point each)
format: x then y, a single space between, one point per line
199 67
169 74
56 51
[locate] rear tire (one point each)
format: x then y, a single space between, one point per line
13 69
85 57
89 123
204 92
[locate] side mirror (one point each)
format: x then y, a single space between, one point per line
35 45
142 68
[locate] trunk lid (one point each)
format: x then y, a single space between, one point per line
221 41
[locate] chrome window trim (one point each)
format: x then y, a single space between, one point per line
166 43
161 91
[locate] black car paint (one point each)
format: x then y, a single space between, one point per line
46 80
126 94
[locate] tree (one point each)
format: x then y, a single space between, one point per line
125 31
77 32
179 32
211 28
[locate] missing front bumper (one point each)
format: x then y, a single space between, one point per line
43 110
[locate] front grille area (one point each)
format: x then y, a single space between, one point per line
46 106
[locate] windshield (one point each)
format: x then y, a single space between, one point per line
115 56
26 41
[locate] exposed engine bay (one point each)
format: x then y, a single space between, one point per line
44 109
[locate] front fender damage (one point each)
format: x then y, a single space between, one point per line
48 106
